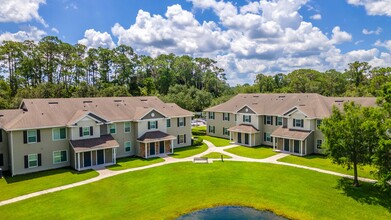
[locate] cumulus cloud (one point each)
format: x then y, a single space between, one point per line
55 30
21 11
385 44
316 17
369 32
340 36
97 39
374 7
26 33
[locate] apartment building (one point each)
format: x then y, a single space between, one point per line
45 134
287 122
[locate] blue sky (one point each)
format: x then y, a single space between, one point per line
245 37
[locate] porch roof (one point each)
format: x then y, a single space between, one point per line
103 142
244 128
154 136
290 134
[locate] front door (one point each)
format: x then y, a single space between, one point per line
246 137
152 149
239 137
297 146
286 144
87 159
161 147
101 158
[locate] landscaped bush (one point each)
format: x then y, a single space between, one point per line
197 141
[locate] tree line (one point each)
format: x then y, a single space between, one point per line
53 68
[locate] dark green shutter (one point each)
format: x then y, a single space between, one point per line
38 135
184 121
294 122
228 116
25 137
249 117
39 160
177 139
264 119
62 133
63 156
264 136
91 130
26 161
156 125
149 125
243 118
81 132
1 135
302 123
184 137
177 122
271 118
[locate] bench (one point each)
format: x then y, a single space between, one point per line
200 160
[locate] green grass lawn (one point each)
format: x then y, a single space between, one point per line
216 155
184 152
132 162
258 152
169 191
322 162
11 187
200 131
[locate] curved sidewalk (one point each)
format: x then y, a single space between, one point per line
105 173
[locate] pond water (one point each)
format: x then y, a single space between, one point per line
230 212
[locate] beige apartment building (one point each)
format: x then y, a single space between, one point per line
287 122
86 132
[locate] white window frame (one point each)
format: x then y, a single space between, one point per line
247 118
211 115
181 139
54 156
32 160
300 125
125 127
130 146
268 137
211 129
54 130
84 131
225 116
225 132
109 128
318 123
152 125
268 119
30 135
181 122
317 144
279 121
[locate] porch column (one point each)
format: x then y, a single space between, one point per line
305 147
229 137
274 143
250 140
172 146
114 155
301 148
146 148
78 161
75 160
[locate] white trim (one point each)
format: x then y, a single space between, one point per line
60 156
86 115
130 127
28 161
153 109
130 150
297 109
36 136
237 112
66 135
108 128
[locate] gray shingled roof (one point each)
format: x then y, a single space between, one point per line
313 105
290 133
102 142
58 112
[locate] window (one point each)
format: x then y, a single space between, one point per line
247 118
211 129
86 131
225 131
225 116
152 125
168 122
268 119
32 136
59 134
319 144
32 160
60 156
181 139
279 120
127 146
299 123
267 137
112 128
211 115
126 127
181 122
1 160
318 123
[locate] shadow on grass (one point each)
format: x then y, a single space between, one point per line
178 150
367 193
126 160
14 179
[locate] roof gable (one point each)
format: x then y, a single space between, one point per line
153 114
246 110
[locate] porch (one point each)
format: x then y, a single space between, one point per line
295 142
246 135
155 143
89 153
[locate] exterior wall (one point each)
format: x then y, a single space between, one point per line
4 150
45 148
310 144
254 120
219 124
299 115
143 126
268 129
86 122
174 130
121 137
318 135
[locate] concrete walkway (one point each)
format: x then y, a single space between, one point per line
105 173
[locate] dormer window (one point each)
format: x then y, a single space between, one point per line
298 123
247 118
152 125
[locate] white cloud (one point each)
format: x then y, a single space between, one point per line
27 33
386 44
340 36
71 6
316 17
55 30
368 32
97 39
374 7
21 11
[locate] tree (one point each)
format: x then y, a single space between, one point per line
357 72
265 83
351 135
